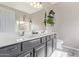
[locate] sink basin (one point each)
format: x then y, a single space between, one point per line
30 35
18 39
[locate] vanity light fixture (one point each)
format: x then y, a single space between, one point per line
36 4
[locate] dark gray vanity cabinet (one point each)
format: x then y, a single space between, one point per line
10 51
38 47
43 39
54 38
27 54
27 45
49 48
46 47
40 51
48 38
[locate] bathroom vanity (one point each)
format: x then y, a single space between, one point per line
14 22
36 46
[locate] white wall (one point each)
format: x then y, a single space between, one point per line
67 22
8 17
7 23
38 17
7 20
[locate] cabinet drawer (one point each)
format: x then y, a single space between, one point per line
52 36
40 51
12 50
48 37
44 39
27 54
30 44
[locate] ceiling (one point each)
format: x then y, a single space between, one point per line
24 6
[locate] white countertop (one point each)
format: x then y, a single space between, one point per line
13 40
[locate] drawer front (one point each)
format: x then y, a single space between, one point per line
13 50
43 39
30 44
52 36
48 37
40 51
27 54
55 36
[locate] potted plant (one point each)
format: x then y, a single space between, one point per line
49 20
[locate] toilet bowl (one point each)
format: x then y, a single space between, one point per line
59 44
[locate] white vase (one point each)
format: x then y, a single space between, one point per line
49 28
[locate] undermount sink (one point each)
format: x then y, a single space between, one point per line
29 35
26 37
18 39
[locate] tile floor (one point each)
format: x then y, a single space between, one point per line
64 51
59 51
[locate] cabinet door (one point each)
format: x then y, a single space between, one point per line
44 39
49 47
53 38
48 37
10 51
40 51
30 44
27 54
54 41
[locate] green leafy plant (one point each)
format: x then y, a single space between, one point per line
49 19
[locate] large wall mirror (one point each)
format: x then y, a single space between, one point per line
23 25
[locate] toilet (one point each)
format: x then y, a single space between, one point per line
59 44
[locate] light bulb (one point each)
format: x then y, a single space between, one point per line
35 6
34 3
40 5
17 22
31 4
22 22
